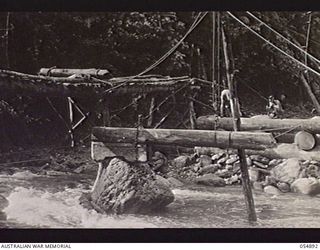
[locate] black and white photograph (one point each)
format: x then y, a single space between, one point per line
181 119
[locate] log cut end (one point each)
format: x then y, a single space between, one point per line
305 140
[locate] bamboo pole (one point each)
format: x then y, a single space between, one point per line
236 123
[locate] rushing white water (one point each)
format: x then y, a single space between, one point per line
53 202
61 210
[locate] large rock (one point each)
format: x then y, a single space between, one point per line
212 168
123 187
210 180
310 186
271 190
288 171
253 174
181 162
205 160
174 183
3 202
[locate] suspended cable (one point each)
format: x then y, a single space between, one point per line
284 38
167 54
274 46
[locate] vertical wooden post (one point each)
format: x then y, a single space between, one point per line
214 105
192 114
106 112
71 121
218 53
151 111
236 124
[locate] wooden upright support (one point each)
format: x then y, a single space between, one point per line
192 114
151 112
236 124
71 122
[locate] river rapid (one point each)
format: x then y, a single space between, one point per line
52 201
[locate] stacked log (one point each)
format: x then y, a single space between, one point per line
260 124
180 137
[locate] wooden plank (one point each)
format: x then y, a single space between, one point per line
101 150
180 137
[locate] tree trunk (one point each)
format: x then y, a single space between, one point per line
260 123
179 137
310 93
69 72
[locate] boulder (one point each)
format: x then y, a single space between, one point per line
313 171
232 179
253 174
3 202
181 162
222 160
216 157
231 160
210 180
310 186
271 190
212 168
274 162
256 157
260 165
249 161
288 171
174 183
283 187
257 186
224 173
159 162
205 160
122 187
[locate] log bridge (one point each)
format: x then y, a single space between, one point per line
296 138
117 141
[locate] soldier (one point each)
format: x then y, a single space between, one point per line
274 107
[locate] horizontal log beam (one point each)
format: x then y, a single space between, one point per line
69 72
179 137
281 151
260 123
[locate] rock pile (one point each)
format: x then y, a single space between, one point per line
271 176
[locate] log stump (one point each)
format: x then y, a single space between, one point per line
305 140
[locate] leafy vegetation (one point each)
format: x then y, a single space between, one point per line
126 43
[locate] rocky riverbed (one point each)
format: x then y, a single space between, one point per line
273 176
